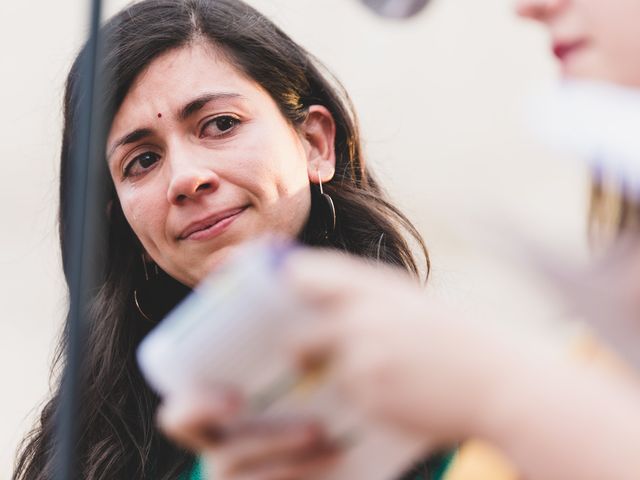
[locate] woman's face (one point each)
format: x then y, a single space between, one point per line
596 39
202 159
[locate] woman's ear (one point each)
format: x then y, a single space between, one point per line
319 132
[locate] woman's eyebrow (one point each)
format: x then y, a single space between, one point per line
189 109
130 137
197 103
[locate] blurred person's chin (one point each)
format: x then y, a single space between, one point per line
587 65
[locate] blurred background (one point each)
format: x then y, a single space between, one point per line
440 99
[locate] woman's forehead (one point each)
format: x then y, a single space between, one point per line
186 70
180 77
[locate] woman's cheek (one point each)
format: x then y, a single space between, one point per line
143 214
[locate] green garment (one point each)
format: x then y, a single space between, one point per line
444 464
196 472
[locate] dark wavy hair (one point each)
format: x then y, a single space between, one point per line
117 436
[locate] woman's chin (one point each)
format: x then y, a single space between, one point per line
212 262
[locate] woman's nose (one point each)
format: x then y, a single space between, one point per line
540 10
190 181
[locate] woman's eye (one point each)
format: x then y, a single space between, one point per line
218 126
141 164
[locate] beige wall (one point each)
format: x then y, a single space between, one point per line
439 98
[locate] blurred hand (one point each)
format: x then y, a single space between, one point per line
408 360
236 449
397 354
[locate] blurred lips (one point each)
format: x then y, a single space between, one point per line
211 226
563 50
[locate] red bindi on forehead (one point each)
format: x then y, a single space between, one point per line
159 115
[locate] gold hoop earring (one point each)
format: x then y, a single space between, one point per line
136 300
137 304
330 208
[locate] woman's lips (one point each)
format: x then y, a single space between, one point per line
207 229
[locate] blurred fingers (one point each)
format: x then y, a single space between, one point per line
298 469
325 278
313 345
197 420
253 446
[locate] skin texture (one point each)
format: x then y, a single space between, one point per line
606 32
235 152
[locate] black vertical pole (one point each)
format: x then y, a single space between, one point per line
84 232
